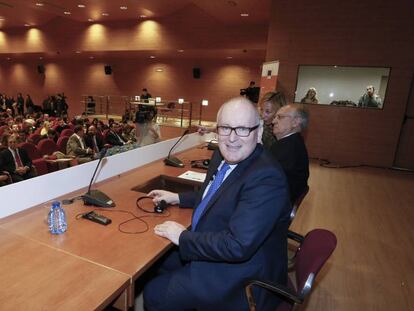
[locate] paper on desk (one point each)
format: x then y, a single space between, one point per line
191 175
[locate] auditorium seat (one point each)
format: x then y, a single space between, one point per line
35 157
62 142
35 138
67 132
47 147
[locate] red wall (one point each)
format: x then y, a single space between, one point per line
357 33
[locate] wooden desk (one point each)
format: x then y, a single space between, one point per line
131 254
37 277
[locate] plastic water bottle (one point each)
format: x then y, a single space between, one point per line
57 219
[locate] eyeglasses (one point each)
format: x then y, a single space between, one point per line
240 131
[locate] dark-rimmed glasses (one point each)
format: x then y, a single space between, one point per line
240 131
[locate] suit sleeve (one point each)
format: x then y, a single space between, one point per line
263 201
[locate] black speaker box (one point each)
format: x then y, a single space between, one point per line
196 73
108 70
40 69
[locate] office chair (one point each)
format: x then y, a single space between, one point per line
297 203
314 250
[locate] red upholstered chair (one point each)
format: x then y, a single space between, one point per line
47 147
36 157
315 249
35 138
62 142
67 132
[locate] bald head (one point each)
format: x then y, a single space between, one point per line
239 105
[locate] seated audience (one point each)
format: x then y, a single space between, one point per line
128 133
76 146
289 148
93 141
16 161
114 137
239 225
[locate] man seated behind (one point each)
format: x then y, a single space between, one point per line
93 141
76 146
289 149
238 232
16 161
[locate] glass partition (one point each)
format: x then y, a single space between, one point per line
363 87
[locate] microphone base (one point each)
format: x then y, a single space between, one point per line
173 161
97 198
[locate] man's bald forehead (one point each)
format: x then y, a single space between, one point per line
241 105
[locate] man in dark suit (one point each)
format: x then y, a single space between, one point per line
94 141
238 232
289 148
114 137
16 161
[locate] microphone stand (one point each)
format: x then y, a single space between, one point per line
173 161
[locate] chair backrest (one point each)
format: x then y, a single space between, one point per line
62 142
297 203
312 254
67 132
35 138
47 146
31 149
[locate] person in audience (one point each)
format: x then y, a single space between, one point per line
128 132
76 146
270 104
237 233
29 104
149 130
114 137
61 125
369 99
45 128
4 177
53 135
20 104
310 97
145 95
289 149
251 92
16 161
93 141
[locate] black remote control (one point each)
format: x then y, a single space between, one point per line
100 219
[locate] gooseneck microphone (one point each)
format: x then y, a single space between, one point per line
173 161
96 197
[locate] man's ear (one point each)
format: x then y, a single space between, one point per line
260 132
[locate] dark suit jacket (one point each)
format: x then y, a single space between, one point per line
240 236
99 142
292 155
114 140
7 160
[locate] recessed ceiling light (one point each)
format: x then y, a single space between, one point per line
143 16
123 7
8 58
90 20
78 52
81 5
244 14
180 51
91 57
2 18
26 25
152 56
105 14
40 57
66 13
229 57
39 4
159 70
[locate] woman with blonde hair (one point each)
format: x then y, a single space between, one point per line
310 97
269 105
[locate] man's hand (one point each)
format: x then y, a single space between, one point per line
21 170
167 196
170 230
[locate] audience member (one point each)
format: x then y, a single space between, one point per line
16 161
310 97
238 232
289 148
93 141
20 104
270 104
29 104
45 128
251 92
370 99
76 146
149 131
114 137
145 95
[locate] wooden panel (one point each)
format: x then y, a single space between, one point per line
38 277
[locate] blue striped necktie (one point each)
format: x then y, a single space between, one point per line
213 188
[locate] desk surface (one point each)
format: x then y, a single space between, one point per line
130 254
37 277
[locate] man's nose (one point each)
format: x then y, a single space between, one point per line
233 136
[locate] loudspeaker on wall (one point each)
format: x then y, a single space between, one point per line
196 73
41 69
108 70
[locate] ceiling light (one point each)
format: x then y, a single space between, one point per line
229 57
105 14
26 25
78 52
40 57
244 14
123 7
90 20
39 4
66 13
159 70
152 56
8 58
91 57
81 5
180 51
2 18
143 16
